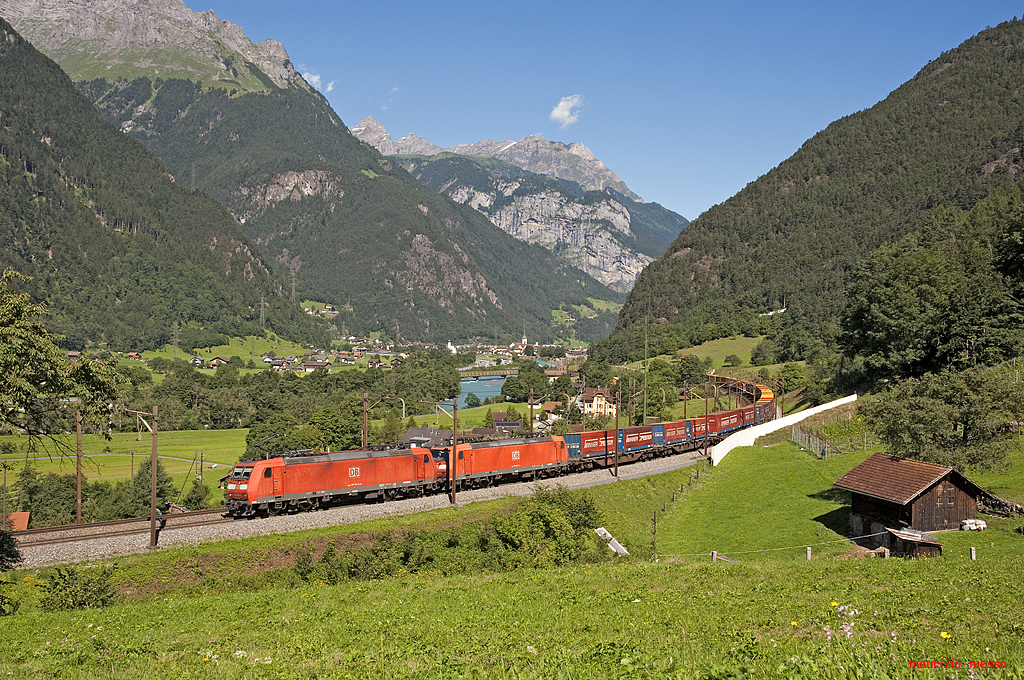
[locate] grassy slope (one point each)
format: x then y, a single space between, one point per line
604 621
718 350
731 515
761 618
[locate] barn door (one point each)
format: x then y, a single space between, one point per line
945 495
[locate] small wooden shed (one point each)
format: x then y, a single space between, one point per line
900 493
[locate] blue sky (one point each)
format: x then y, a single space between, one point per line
686 101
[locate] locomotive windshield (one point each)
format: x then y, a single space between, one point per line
241 473
439 454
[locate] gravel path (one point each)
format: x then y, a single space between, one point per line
92 549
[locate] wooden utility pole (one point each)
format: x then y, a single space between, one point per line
78 466
686 398
366 422
655 536
152 472
707 430
455 446
152 486
531 411
618 403
629 402
3 511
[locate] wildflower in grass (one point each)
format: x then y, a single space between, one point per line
944 635
834 603
240 654
793 623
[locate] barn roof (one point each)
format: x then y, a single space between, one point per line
899 480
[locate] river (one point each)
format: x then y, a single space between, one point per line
488 387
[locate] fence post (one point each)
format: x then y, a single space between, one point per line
655 536
974 553
714 556
808 553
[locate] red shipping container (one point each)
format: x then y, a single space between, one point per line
597 443
641 437
675 432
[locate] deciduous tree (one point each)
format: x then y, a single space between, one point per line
36 378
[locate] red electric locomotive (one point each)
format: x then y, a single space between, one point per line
307 482
485 463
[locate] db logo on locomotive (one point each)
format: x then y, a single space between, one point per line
353 472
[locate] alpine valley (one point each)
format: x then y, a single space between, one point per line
338 221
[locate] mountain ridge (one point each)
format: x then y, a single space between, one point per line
133 34
608 234
573 161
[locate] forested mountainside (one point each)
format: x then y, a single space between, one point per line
343 223
604 233
793 238
351 226
117 251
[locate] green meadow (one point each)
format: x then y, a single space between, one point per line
236 609
112 460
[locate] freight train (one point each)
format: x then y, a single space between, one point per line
312 481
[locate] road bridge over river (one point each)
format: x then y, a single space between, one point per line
494 372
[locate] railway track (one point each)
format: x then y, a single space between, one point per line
119 527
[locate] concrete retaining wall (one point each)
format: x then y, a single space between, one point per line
748 436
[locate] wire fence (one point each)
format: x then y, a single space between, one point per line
823 446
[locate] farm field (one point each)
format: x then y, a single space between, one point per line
718 350
112 461
235 610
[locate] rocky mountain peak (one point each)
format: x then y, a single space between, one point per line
373 133
574 162
124 36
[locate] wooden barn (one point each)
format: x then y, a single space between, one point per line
900 493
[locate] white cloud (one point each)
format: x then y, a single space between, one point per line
566 113
317 81
390 98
